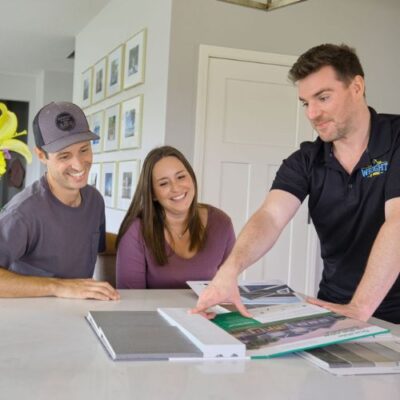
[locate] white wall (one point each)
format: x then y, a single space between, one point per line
114 25
371 26
57 86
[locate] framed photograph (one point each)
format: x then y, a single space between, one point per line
111 128
95 176
135 54
108 183
114 71
86 87
131 123
89 120
99 81
128 173
96 124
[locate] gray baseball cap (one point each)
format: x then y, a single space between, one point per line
58 125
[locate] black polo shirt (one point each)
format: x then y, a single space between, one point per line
348 210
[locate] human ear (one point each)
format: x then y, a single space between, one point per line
359 85
41 155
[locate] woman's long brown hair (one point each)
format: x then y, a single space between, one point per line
152 214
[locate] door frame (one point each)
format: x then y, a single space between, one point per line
206 52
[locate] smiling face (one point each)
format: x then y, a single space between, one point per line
331 104
68 169
173 186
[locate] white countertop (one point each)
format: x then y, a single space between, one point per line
48 351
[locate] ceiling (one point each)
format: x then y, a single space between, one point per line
39 35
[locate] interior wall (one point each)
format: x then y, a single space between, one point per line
114 25
371 27
57 86
176 28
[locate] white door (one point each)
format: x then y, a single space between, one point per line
248 120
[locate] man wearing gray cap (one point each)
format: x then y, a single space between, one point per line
51 232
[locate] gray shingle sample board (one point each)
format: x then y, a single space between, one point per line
140 335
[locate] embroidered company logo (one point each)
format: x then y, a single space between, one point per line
377 168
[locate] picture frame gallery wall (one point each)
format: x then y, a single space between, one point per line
115 118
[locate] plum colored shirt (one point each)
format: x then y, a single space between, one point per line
137 269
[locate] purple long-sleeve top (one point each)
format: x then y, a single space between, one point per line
137 269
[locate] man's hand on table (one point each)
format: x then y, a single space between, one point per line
84 289
349 310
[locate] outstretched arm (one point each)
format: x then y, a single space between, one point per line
382 269
257 237
15 285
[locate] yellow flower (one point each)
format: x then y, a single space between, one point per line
2 164
8 133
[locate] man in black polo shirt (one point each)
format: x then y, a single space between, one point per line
351 174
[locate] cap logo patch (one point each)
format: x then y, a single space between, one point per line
65 121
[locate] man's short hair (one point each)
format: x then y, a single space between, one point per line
342 58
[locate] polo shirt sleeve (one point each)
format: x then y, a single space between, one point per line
292 175
392 186
14 238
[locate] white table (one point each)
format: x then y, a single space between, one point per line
48 351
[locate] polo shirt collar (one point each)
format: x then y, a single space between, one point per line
380 138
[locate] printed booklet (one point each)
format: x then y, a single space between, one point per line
256 293
281 329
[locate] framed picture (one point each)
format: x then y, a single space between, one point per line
108 183
97 126
131 123
99 78
95 176
114 71
86 87
128 173
135 54
111 128
89 120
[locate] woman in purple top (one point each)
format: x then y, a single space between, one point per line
167 237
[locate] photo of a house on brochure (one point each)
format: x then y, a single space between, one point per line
295 327
267 292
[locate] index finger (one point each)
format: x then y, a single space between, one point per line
202 306
242 309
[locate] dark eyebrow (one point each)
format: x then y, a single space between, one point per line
317 94
63 153
177 173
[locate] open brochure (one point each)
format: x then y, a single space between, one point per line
256 293
380 355
173 333
278 330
